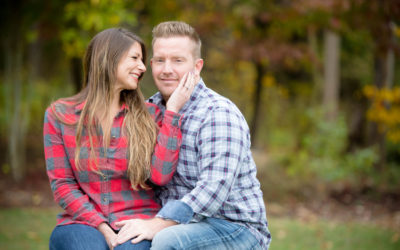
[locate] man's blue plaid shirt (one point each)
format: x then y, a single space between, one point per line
216 173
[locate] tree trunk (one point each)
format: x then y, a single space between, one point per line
390 63
315 70
331 74
18 87
257 103
76 71
375 136
15 137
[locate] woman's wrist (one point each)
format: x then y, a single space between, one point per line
108 233
172 109
104 228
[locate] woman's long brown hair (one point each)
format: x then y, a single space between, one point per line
100 66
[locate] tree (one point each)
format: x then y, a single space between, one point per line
83 19
19 19
31 26
378 18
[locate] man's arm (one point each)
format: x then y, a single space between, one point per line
221 142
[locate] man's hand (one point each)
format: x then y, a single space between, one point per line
108 234
140 229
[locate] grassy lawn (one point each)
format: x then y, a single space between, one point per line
30 228
27 228
294 234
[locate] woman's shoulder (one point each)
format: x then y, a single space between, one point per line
62 106
63 109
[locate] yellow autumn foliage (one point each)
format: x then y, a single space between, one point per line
385 110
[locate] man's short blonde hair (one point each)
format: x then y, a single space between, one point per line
177 28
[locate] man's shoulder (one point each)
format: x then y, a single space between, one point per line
215 101
155 99
152 108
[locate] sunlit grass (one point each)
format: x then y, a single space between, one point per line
294 234
30 228
27 228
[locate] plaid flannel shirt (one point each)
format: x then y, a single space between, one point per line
91 198
216 174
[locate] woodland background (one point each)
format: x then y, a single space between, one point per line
317 80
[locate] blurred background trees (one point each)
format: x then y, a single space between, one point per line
317 80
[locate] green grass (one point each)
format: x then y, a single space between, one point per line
27 228
30 228
294 234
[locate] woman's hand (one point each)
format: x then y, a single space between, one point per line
182 93
108 234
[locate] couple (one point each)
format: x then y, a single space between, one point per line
113 158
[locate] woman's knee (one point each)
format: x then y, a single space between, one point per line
76 236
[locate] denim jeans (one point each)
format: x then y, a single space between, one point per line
83 237
209 233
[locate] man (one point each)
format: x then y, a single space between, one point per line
214 200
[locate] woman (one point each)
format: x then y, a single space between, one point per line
105 147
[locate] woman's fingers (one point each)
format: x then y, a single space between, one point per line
182 93
183 80
192 82
187 81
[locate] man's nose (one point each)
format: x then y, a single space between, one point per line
167 67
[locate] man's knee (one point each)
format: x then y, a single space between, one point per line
166 239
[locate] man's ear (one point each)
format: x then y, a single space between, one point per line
198 66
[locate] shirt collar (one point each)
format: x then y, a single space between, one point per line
197 91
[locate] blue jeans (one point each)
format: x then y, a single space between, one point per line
83 237
209 233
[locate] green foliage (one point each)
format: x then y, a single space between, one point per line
313 149
284 37
36 96
322 151
85 18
